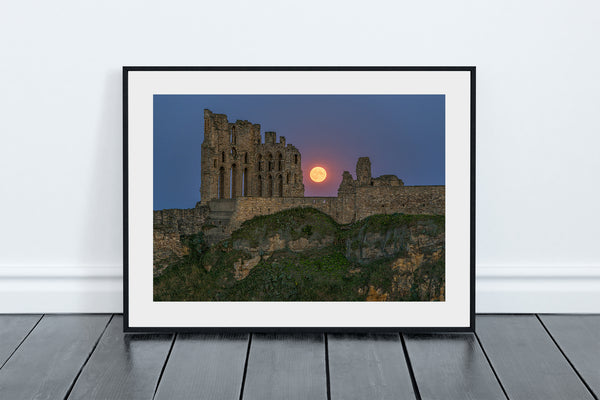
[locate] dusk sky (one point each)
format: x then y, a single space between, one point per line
403 135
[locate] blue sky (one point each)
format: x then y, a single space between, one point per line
404 135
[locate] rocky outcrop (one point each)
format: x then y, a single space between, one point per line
168 249
242 268
417 275
169 228
297 230
413 245
376 294
302 254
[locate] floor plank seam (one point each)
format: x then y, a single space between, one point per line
491 366
246 366
21 342
162 371
327 374
88 358
567 358
411 372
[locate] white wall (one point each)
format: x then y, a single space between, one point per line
538 127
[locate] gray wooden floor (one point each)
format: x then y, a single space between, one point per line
510 356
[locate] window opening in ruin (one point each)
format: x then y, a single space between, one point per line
245 183
222 156
260 186
295 158
233 182
260 161
280 186
270 186
279 162
222 183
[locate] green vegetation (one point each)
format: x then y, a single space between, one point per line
384 222
293 224
338 263
427 281
316 275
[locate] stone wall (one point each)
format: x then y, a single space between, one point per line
169 225
401 199
344 209
182 221
350 207
250 207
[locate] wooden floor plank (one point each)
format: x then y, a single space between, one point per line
526 360
451 366
286 366
368 366
46 364
123 366
207 367
13 329
579 338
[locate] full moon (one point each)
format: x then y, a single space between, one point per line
318 174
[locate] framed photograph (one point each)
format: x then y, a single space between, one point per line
299 198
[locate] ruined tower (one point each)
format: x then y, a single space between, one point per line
235 162
363 171
364 177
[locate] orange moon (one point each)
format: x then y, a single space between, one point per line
318 174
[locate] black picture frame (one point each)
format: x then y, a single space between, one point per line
128 327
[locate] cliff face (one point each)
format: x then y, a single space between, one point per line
413 246
302 254
169 227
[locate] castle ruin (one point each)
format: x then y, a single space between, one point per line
242 177
236 163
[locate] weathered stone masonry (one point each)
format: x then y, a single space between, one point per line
243 177
235 162
169 225
184 221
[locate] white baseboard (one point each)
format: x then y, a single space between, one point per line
562 289
48 289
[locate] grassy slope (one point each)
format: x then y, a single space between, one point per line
328 273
